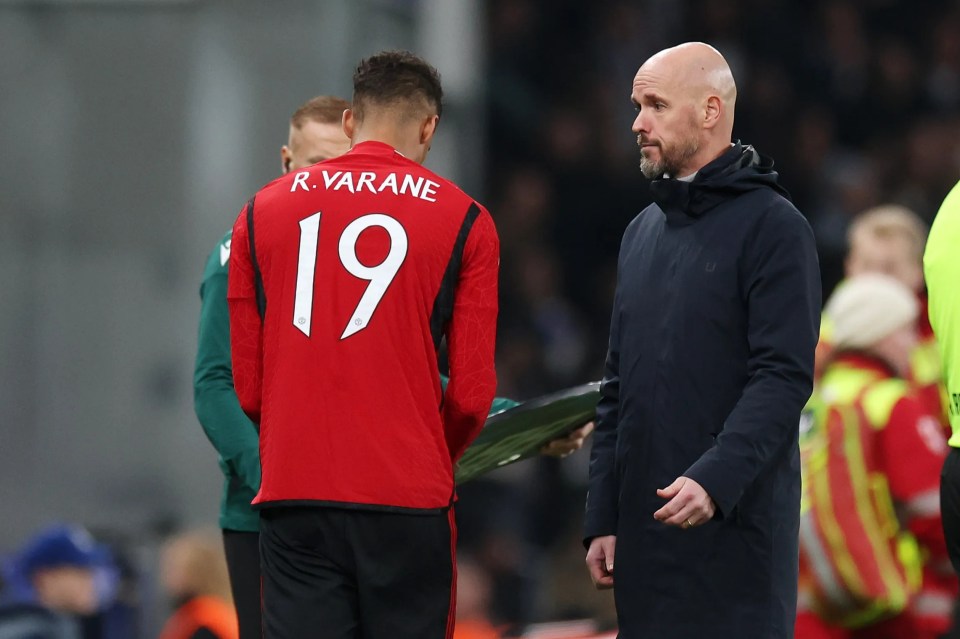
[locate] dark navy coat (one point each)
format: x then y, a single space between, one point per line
714 326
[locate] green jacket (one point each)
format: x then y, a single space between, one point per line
228 428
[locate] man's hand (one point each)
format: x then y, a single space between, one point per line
600 561
569 444
689 504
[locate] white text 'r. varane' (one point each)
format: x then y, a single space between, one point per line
370 181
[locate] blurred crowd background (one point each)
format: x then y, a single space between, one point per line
133 131
857 102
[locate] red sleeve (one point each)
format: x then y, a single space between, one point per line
246 328
913 449
471 337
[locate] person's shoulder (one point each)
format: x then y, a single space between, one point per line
950 207
280 183
652 215
451 191
219 257
777 214
30 619
944 233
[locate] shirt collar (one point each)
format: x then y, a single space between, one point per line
374 147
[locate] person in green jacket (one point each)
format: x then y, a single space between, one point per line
315 135
941 268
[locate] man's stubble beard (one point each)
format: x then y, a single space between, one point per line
670 160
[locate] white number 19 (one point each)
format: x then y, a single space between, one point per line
379 276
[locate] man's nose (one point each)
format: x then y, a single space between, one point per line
640 124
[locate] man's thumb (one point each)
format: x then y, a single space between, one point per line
671 490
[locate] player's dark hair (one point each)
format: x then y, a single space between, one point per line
325 109
397 79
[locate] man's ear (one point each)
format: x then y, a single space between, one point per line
428 128
713 112
349 123
286 158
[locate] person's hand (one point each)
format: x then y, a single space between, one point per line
689 504
566 445
600 561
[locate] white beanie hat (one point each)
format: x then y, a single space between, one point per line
865 309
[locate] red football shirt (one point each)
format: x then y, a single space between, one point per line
365 262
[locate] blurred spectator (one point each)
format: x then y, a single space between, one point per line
943 75
193 572
872 544
473 602
889 239
57 577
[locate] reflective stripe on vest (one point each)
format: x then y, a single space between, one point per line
932 604
926 504
862 566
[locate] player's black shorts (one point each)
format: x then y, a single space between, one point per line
357 574
243 564
950 505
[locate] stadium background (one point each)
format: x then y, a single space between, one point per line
131 132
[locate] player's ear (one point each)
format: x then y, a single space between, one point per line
349 123
286 158
428 128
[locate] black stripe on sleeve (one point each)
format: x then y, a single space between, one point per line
443 305
257 276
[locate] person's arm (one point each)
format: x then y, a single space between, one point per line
471 337
215 402
603 487
499 405
560 447
246 327
600 521
781 279
913 448
941 270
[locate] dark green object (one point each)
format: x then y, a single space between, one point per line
520 432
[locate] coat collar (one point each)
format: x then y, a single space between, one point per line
738 170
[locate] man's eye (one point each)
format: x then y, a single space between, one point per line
659 106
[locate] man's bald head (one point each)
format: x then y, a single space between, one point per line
686 97
699 70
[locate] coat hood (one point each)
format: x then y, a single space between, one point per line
739 170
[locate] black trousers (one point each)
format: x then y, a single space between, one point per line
950 505
243 564
354 574
950 511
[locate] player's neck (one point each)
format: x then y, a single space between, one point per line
405 139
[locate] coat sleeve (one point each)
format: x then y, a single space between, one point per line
471 337
780 278
246 327
227 427
603 489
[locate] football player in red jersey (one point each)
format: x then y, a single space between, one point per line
316 134
344 278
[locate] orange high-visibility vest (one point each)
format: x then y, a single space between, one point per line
211 613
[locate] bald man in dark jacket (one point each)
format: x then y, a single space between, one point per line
693 509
